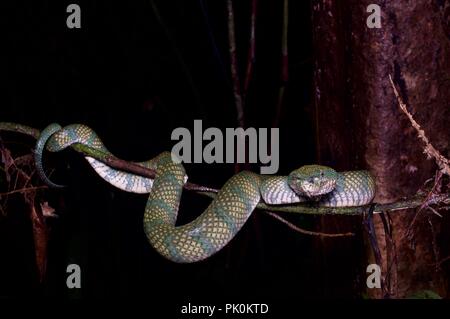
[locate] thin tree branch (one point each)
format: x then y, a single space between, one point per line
234 66
251 50
307 232
19 128
428 200
284 64
444 260
23 190
441 161
304 208
131 167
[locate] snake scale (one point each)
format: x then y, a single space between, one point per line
228 211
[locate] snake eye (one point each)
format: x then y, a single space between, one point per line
322 173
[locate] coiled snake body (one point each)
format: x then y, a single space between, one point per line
230 209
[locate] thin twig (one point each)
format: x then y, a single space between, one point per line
434 211
251 50
391 247
429 199
441 161
284 64
370 227
444 260
433 242
24 190
306 232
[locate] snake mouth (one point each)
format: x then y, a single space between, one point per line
316 187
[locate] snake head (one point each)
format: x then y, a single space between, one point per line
313 180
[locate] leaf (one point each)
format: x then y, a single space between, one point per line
47 210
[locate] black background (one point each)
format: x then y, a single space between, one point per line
134 80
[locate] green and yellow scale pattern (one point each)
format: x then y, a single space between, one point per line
226 214
212 230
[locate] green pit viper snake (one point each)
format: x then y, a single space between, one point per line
228 211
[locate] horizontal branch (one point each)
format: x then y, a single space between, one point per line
19 128
304 208
131 167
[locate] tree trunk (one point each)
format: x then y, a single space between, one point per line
359 123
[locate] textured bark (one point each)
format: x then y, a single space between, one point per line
338 260
359 123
